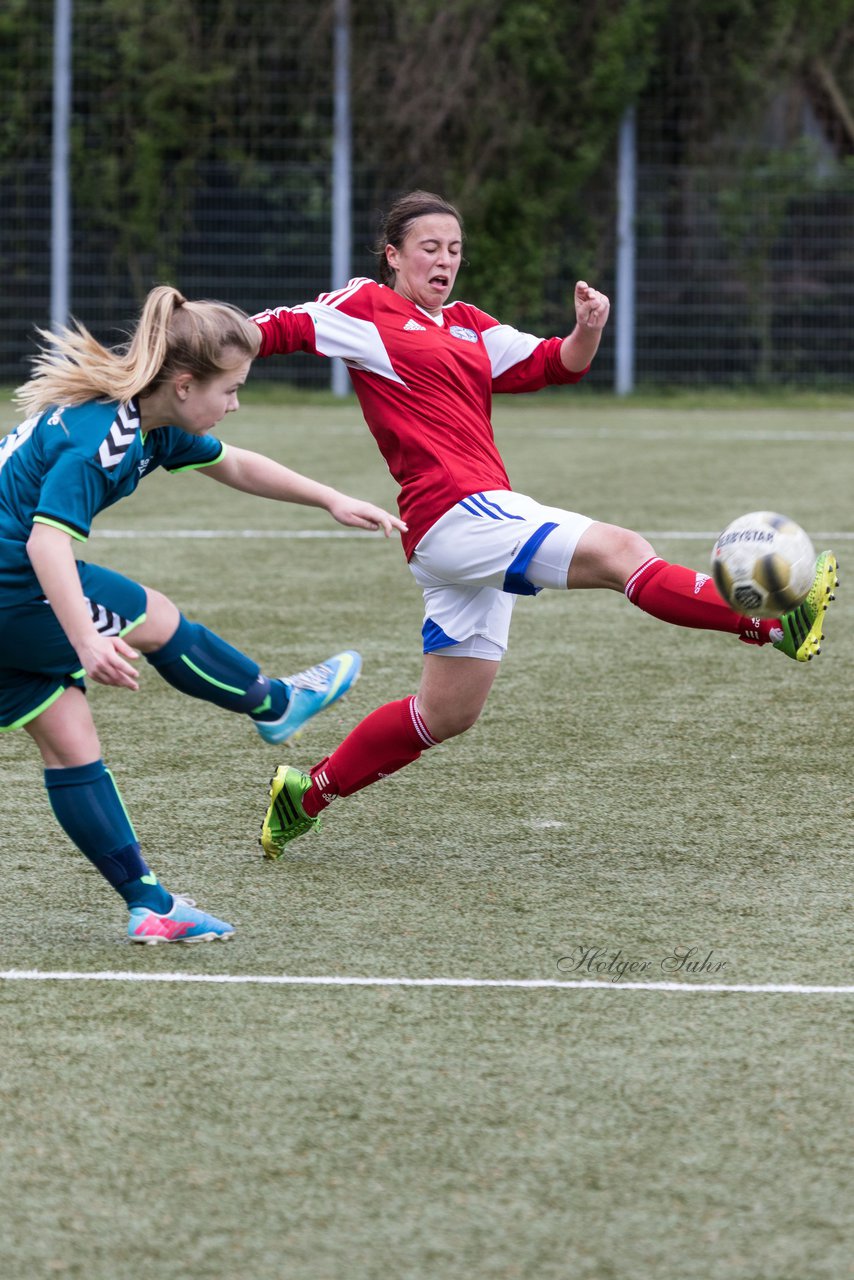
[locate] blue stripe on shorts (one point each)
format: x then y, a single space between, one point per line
482 506
514 579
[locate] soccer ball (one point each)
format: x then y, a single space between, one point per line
763 564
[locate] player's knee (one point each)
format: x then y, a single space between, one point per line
607 556
463 720
634 550
626 552
451 721
161 622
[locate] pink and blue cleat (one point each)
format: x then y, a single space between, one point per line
183 923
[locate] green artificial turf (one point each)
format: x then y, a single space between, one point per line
631 792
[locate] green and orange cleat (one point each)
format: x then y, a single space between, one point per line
802 626
285 818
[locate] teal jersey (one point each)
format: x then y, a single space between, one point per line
64 466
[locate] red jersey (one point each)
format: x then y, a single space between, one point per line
425 388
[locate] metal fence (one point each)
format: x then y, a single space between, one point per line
741 280
743 276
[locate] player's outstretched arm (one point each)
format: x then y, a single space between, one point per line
257 474
591 315
363 515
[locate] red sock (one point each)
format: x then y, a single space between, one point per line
690 599
389 738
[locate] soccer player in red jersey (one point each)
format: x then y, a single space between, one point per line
424 370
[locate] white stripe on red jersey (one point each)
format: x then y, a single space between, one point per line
425 389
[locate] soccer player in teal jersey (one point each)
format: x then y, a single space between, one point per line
99 421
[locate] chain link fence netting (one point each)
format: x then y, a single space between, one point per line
214 173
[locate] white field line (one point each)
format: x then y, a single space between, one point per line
338 980
666 433
232 533
681 535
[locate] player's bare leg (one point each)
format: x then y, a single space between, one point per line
65 732
612 557
606 557
453 692
87 805
450 698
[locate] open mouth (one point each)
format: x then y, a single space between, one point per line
440 282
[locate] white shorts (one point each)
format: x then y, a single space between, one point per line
478 557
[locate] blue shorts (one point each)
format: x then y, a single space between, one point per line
37 663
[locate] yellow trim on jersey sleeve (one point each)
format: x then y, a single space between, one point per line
57 524
197 466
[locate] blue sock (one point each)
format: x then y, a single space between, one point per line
199 663
89 809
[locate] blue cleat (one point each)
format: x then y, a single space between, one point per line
312 691
184 923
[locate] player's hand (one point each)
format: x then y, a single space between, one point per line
104 659
591 306
364 515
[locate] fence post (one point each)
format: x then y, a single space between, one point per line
624 314
342 186
60 238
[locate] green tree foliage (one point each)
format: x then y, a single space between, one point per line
25 126
512 110
155 67
509 107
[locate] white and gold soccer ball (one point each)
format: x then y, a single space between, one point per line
763 564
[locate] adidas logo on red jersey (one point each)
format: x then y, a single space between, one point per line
412 325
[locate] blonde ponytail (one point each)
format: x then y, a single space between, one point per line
171 336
